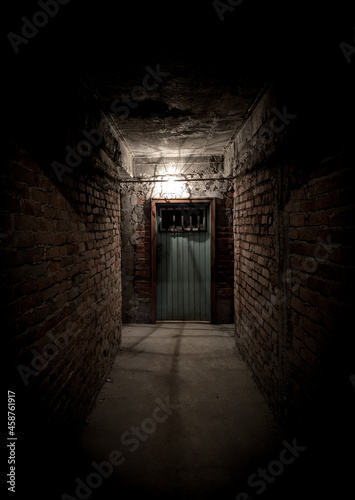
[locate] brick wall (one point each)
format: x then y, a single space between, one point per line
136 263
142 254
224 259
61 284
256 276
294 270
294 275
321 261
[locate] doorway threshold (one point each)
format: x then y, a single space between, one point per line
179 321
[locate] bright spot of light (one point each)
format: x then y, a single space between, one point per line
171 186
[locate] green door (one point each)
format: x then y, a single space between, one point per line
183 262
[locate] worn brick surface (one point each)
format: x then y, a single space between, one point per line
256 266
294 269
61 282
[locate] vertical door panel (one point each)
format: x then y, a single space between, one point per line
183 272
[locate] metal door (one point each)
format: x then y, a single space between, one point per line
183 262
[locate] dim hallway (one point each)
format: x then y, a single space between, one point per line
187 161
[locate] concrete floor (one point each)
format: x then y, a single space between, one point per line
219 435
219 429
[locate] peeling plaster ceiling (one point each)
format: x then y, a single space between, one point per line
189 111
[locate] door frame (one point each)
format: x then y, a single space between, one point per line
212 205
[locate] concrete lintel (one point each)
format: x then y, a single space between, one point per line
187 168
185 159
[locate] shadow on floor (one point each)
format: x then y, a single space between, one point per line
182 418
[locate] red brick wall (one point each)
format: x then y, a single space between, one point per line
142 257
61 286
294 212
321 230
294 275
224 259
256 266
136 263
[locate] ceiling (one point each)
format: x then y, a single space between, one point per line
183 110
216 68
211 72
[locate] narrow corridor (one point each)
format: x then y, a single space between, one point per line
181 161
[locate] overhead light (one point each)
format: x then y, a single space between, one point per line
170 186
